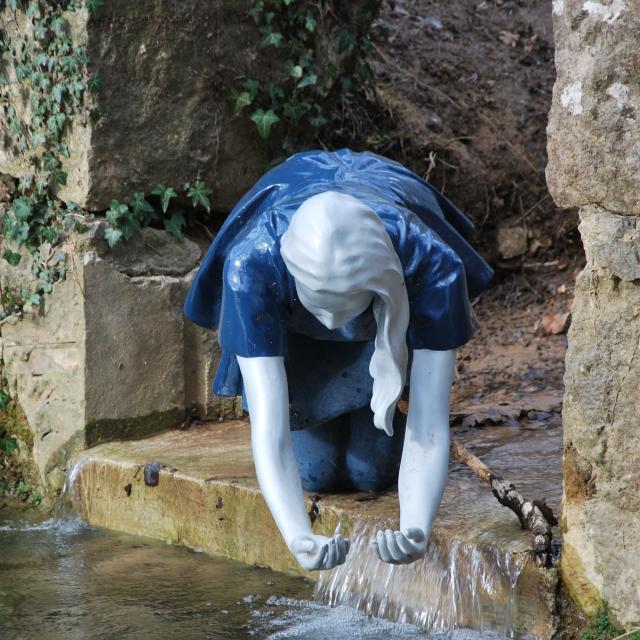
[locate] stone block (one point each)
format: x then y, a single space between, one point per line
601 415
594 128
111 356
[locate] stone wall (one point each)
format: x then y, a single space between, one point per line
167 68
594 163
112 355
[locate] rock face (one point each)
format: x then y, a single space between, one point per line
594 163
594 126
112 356
167 69
601 511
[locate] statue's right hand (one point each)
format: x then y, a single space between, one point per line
315 552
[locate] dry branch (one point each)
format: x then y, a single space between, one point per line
535 516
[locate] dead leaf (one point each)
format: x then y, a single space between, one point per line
555 323
508 37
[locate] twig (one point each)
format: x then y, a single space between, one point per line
628 633
535 516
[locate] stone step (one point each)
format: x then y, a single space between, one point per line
478 573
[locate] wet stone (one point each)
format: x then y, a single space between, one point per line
152 473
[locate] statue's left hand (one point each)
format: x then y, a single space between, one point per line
397 547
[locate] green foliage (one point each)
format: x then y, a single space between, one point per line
8 445
26 493
603 629
39 60
125 220
307 92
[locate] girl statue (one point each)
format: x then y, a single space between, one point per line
337 281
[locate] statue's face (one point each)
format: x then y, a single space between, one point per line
333 309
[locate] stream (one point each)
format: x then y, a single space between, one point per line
63 579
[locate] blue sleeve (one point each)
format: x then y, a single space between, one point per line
251 319
441 315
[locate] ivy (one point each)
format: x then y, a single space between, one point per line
40 59
125 220
307 92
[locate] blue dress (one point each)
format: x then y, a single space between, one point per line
244 290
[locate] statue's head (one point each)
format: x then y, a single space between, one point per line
342 258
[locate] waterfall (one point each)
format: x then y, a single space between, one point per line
455 585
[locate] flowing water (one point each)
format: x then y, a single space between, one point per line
62 579
453 585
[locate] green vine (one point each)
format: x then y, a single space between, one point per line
39 58
308 89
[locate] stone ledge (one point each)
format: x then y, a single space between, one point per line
208 499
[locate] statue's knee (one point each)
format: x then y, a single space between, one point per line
319 452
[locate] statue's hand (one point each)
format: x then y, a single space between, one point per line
315 552
397 547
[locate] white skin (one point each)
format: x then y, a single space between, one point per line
425 455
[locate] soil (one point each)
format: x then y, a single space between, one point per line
468 84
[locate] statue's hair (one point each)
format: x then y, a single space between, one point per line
335 243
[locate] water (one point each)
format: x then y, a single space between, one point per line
62 579
453 585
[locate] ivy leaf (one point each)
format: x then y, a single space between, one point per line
199 194
22 209
117 211
95 83
5 398
252 86
112 236
57 92
308 80
58 25
271 39
346 40
142 209
35 300
8 445
174 225
130 225
37 139
275 91
240 100
11 257
310 24
296 71
165 193
264 121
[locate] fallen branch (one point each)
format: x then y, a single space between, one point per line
535 516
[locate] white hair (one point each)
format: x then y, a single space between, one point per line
336 244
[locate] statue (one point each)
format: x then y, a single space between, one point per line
338 280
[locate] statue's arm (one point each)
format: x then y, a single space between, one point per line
265 385
425 457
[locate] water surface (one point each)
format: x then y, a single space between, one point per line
62 579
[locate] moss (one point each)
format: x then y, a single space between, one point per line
576 583
18 473
602 628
